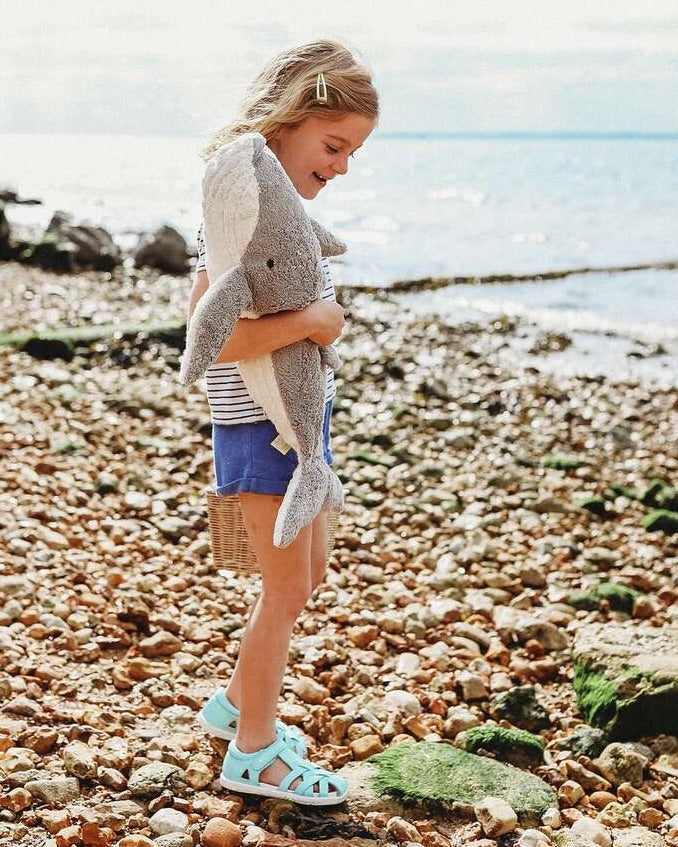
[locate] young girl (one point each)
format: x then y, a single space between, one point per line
315 105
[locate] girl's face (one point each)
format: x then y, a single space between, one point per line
317 149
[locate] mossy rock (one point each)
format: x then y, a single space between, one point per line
661 520
443 778
626 678
517 746
596 505
563 463
62 342
618 490
659 494
619 597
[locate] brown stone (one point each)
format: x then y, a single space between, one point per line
309 690
651 818
217 807
54 819
161 644
17 800
366 746
136 840
220 832
94 835
68 836
600 799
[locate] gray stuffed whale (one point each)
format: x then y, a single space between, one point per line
263 254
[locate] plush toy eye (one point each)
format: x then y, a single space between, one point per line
270 263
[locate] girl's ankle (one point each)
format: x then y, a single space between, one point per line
253 745
234 701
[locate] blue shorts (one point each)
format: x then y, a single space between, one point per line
244 459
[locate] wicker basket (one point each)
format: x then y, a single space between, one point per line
228 535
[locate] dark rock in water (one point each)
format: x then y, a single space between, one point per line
7 195
165 249
52 254
92 245
584 741
439 777
626 678
516 746
661 520
619 597
11 246
647 351
4 233
520 706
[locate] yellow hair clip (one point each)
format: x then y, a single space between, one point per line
321 88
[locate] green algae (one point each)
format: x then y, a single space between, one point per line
562 463
171 332
507 744
660 494
628 705
619 597
441 777
661 520
595 504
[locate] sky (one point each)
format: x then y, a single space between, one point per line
148 67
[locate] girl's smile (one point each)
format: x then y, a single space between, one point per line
316 150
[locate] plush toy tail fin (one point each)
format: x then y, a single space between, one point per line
314 487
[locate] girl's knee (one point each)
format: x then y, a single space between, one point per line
287 602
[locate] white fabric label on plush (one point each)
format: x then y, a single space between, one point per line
281 445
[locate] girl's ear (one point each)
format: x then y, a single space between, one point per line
329 244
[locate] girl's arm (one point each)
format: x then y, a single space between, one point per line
322 322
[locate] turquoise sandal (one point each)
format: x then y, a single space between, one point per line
240 772
219 717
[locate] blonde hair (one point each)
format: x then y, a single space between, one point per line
284 93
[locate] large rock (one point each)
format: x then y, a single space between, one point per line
438 777
626 678
164 249
91 246
5 252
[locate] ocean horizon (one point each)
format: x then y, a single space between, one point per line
422 204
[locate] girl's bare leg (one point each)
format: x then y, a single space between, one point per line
318 570
286 586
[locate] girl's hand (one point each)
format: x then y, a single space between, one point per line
325 320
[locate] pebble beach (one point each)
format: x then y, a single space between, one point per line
483 493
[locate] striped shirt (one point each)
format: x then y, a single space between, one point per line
228 398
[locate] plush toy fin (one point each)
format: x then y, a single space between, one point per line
212 322
330 358
330 245
314 487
